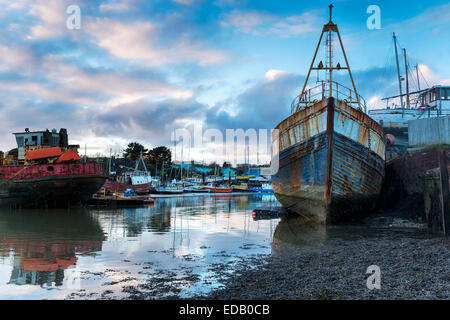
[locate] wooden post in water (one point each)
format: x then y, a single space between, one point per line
443 168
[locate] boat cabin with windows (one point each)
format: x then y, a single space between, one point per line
32 140
435 98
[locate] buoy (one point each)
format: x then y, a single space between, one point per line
390 140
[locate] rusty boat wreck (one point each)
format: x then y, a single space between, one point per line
45 171
331 153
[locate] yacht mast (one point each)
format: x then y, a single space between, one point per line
407 81
398 69
110 159
417 74
181 166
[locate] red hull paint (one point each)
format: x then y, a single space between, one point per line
50 184
50 170
115 186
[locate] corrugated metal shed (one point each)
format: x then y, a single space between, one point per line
429 131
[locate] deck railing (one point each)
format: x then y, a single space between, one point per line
322 91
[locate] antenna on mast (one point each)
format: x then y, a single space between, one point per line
328 28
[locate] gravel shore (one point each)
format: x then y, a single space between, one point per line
413 265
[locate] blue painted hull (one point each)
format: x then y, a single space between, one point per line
328 176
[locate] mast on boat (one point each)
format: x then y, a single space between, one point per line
407 80
141 159
110 160
398 69
417 75
328 28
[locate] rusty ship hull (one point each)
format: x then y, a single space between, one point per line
49 185
331 162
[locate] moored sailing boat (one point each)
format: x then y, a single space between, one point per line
139 181
331 153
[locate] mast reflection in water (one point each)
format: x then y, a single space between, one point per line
171 244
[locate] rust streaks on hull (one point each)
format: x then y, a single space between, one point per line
334 173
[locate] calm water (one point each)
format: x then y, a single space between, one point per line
101 253
179 246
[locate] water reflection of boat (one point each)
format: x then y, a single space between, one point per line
45 244
299 231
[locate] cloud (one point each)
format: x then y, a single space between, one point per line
271 75
187 2
437 16
225 3
52 16
138 42
53 93
247 22
263 24
151 121
430 77
263 105
57 81
15 58
119 6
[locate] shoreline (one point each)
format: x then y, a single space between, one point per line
308 262
330 263
411 268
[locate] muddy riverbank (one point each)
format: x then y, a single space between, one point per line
410 269
331 263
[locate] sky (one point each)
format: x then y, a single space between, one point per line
136 70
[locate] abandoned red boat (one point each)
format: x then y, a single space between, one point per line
44 170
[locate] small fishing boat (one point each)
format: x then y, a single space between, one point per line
218 189
170 189
195 189
126 198
242 187
140 181
331 153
